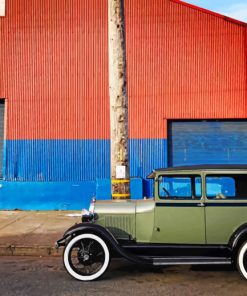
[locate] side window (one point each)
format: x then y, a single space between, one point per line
226 187
180 187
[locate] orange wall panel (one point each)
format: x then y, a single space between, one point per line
54 60
183 63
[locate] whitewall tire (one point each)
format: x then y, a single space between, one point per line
86 257
242 260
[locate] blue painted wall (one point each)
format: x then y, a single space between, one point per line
57 160
61 174
146 155
77 160
46 195
103 188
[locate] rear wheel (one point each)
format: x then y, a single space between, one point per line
242 260
86 257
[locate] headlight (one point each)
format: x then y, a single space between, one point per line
89 217
92 205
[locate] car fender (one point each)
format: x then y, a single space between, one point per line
83 228
102 232
238 236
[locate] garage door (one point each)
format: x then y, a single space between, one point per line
207 142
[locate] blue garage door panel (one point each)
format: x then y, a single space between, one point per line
207 142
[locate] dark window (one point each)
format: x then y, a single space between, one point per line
2 111
180 187
226 187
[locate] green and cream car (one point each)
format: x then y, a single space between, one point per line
198 216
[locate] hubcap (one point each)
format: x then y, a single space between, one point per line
86 256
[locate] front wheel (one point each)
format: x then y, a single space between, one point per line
242 260
86 257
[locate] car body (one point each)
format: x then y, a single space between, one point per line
198 215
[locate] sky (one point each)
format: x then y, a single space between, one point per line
234 8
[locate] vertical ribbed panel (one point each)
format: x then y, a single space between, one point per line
182 63
146 155
211 142
57 160
54 60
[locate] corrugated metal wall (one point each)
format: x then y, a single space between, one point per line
54 60
57 160
183 63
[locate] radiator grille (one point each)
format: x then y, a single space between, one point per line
120 226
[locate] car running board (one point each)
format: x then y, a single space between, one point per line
161 261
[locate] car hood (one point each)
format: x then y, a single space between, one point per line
115 207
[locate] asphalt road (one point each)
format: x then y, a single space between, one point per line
46 276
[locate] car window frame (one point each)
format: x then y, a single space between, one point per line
178 174
222 174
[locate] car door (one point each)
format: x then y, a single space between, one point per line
179 210
225 205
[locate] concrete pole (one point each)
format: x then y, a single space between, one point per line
118 101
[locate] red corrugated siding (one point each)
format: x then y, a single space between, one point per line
54 69
209 12
182 63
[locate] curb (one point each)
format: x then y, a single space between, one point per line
36 251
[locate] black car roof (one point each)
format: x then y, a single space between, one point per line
200 167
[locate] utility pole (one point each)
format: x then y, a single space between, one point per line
118 101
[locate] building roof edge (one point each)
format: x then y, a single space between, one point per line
216 14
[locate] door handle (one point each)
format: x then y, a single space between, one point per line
201 205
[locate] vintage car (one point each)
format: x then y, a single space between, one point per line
198 216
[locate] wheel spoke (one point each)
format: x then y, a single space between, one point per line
87 257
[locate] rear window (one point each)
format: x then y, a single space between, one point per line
226 186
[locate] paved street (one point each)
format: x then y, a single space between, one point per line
46 276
